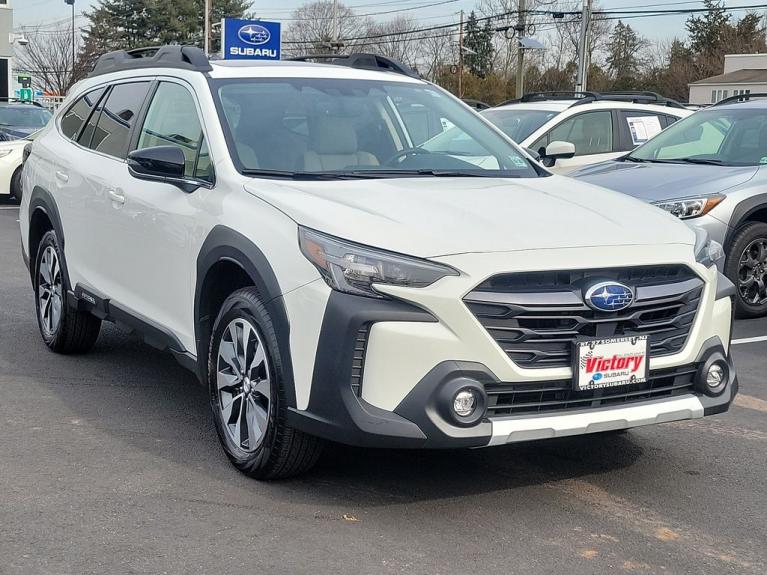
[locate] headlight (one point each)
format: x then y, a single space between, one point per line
355 269
707 251
5 152
690 207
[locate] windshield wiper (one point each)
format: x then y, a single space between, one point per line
427 172
288 175
704 161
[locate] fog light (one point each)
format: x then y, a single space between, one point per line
464 403
715 377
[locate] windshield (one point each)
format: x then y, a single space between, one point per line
518 124
24 116
315 127
721 136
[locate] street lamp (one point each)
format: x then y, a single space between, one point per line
72 4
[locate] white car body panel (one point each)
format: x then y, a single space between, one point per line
10 163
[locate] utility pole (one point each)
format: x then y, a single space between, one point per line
460 58
334 42
207 27
74 51
520 28
583 41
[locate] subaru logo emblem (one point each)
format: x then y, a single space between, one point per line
609 296
254 34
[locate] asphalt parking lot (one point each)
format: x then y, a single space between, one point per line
109 463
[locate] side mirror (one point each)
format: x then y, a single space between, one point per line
161 164
560 150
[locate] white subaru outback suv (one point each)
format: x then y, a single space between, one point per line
280 230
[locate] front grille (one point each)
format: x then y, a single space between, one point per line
358 360
536 317
552 396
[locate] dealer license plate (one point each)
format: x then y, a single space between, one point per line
610 362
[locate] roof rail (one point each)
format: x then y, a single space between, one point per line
176 56
641 97
588 97
20 101
361 60
548 96
740 98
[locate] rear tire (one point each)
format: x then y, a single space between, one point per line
247 393
746 267
16 185
63 328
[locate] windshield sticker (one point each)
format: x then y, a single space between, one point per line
518 162
643 128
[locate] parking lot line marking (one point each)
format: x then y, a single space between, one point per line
9 207
749 339
750 402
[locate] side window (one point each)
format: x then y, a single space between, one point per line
172 120
118 114
74 118
591 132
638 127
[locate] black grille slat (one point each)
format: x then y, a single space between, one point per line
541 336
559 395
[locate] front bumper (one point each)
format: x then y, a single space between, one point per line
381 368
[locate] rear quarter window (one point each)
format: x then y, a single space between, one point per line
77 114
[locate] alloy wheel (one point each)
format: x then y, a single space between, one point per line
752 272
243 384
49 291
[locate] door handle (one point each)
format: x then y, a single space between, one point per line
62 176
116 196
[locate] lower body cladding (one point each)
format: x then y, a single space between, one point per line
423 374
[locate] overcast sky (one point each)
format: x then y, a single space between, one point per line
45 12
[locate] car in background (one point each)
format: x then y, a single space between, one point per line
20 119
711 170
11 156
569 130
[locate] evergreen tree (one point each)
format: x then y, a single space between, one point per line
623 57
478 40
706 31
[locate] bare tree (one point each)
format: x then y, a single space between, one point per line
311 28
397 39
48 59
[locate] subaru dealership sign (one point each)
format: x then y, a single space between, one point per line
251 39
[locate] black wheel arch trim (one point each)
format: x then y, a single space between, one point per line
226 244
42 200
740 215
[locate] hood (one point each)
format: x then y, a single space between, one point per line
430 217
656 182
8 133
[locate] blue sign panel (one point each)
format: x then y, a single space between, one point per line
251 39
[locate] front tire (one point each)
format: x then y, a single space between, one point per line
247 393
63 328
746 266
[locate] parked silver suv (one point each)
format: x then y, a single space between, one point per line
710 169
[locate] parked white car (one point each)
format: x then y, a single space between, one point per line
281 229
568 130
10 166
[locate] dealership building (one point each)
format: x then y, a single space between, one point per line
742 74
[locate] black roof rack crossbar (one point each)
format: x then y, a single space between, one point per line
183 57
588 97
361 60
20 101
641 97
548 96
740 98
